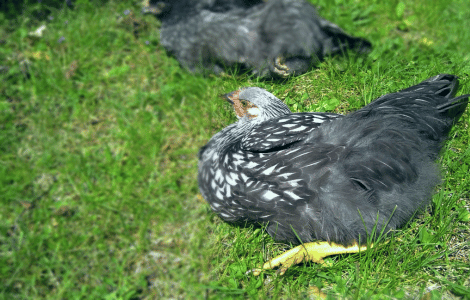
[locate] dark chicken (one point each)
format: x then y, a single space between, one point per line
329 177
275 38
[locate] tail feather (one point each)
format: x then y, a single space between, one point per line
455 108
430 106
445 85
342 40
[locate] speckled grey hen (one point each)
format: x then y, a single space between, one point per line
274 38
322 176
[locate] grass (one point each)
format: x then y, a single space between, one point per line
99 135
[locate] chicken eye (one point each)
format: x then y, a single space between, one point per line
246 104
250 109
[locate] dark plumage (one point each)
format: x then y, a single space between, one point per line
276 38
329 177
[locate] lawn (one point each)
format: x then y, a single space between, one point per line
99 134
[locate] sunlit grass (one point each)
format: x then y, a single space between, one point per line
99 134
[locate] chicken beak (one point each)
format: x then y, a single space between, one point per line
229 97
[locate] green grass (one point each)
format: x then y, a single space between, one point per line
99 137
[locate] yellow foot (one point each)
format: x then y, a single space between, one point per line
314 252
280 67
156 9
